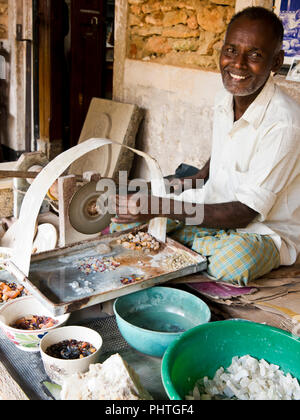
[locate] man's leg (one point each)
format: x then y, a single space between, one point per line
240 257
232 257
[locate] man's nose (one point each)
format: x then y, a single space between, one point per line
240 61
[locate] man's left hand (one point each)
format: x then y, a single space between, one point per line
133 208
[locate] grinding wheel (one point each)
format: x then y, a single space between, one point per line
83 212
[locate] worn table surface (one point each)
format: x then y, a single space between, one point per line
27 372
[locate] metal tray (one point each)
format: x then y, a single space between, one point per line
7 278
53 273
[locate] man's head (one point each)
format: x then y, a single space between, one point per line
251 50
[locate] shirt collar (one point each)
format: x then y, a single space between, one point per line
256 111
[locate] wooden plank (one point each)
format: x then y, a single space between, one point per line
27 174
17 174
9 389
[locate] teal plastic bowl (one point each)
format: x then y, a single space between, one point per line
202 350
150 320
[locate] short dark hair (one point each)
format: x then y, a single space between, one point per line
260 13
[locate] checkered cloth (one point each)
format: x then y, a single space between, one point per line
233 257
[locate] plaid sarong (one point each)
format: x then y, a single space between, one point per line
233 257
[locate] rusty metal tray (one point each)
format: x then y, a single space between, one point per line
53 273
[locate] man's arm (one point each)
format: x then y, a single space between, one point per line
232 215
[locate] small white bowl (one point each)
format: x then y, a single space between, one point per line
13 310
60 369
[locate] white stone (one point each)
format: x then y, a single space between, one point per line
112 380
249 379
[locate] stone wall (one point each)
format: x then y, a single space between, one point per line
178 32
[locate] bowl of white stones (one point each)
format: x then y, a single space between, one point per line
233 360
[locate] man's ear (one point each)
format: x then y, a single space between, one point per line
278 61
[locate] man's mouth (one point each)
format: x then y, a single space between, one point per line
237 76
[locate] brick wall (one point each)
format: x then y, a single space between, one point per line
178 32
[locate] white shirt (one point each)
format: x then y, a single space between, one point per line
256 161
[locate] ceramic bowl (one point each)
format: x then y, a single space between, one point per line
15 309
202 350
150 320
60 369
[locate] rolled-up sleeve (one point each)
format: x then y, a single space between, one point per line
270 171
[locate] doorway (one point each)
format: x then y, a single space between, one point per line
73 60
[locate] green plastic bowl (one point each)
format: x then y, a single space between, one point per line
151 319
202 350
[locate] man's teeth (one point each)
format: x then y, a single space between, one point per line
235 76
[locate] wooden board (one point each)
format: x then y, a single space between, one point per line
53 273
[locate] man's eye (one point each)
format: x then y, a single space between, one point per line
255 55
229 50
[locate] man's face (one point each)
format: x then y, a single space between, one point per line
250 52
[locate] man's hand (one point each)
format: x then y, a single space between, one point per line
141 208
134 208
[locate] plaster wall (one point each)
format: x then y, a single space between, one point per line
291 88
178 112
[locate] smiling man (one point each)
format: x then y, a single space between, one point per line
252 49
251 198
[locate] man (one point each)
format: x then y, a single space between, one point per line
251 199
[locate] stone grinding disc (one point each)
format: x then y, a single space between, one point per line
83 212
